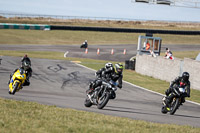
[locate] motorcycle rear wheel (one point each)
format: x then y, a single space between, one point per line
164 110
87 102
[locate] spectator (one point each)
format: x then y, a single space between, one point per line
84 45
168 54
147 45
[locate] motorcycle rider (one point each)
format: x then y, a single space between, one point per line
26 66
84 44
182 81
109 72
26 58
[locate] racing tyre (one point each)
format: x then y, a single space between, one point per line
174 106
164 110
103 100
15 88
87 102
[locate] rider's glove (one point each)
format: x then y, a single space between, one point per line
120 86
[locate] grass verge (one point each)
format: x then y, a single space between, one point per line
64 37
184 54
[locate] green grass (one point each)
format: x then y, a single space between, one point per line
30 117
66 37
184 54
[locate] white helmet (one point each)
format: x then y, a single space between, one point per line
108 65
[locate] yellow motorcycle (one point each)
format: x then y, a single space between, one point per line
17 81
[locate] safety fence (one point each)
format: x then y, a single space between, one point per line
24 26
105 29
101 29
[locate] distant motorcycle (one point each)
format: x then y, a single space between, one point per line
17 81
179 93
101 94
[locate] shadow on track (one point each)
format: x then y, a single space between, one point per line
188 116
127 110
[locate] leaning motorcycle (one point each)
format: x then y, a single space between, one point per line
179 93
101 94
17 81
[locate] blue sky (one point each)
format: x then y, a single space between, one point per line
101 8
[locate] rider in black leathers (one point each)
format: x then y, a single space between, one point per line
109 72
179 81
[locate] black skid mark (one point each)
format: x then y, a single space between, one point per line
41 77
5 70
73 79
14 63
56 68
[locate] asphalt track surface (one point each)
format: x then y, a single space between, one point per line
63 83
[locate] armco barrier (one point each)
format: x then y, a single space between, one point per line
24 26
103 29
106 29
168 70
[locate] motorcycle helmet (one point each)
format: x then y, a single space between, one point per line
26 64
118 68
108 65
185 76
25 56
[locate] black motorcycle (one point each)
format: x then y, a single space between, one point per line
101 94
179 93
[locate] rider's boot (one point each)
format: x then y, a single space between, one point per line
168 91
182 100
168 100
91 88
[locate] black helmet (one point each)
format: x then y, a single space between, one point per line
118 68
26 64
185 76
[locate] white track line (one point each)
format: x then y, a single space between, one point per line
65 54
137 86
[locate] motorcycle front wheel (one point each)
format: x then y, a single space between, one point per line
103 100
15 87
174 106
